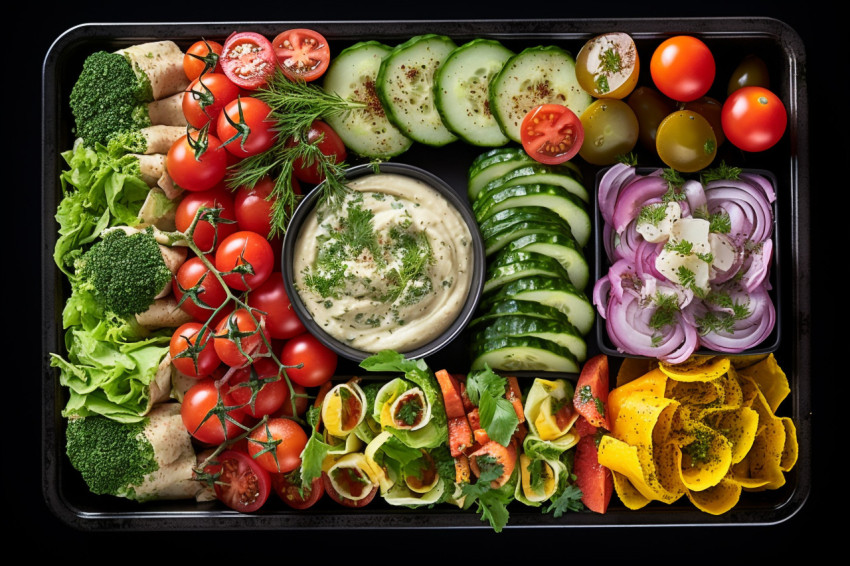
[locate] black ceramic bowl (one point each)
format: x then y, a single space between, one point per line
452 196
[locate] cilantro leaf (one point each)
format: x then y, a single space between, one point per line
568 500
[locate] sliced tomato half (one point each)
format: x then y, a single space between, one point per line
302 54
242 484
248 59
551 133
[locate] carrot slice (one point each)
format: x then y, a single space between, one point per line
460 435
474 418
504 455
462 473
451 394
514 395
481 436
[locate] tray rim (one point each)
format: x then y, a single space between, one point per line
528 29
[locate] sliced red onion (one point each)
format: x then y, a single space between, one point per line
609 188
633 196
645 257
762 183
749 209
719 276
756 266
747 332
601 291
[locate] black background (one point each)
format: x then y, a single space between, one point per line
36 528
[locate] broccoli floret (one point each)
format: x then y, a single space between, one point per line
107 98
121 143
149 459
125 273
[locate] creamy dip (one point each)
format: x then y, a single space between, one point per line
389 269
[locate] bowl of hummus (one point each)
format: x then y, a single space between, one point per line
394 263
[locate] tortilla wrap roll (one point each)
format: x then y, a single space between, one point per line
163 313
160 138
168 111
161 62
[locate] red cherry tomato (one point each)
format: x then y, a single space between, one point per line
207 234
237 335
197 59
254 207
204 292
271 298
683 68
754 118
205 98
202 418
259 388
248 59
242 484
328 142
245 259
551 133
301 402
318 362
191 357
288 488
245 128
302 54
197 173
289 440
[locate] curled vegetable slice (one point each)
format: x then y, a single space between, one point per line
352 476
343 408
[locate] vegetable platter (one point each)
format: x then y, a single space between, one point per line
787 162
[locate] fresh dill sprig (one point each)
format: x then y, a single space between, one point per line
719 173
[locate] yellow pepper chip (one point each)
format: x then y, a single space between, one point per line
770 379
637 464
717 499
739 426
705 460
744 361
651 384
792 450
633 368
628 494
694 393
696 368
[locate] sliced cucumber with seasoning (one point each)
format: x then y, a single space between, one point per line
366 131
523 354
563 249
405 85
539 174
501 224
567 205
495 163
511 266
462 91
537 75
551 291
518 326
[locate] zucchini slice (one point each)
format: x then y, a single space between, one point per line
366 131
523 354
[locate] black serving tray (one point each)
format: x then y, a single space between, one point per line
729 38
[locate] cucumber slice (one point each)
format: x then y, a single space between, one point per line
366 131
495 163
509 307
462 91
537 75
518 326
504 220
523 354
538 174
551 291
567 205
405 86
518 264
564 249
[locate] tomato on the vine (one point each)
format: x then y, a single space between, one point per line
281 320
551 133
259 388
317 361
215 225
303 54
276 445
198 57
245 128
683 68
289 489
209 414
254 206
328 142
299 393
245 259
205 98
248 59
754 118
238 336
189 355
242 484
202 290
197 173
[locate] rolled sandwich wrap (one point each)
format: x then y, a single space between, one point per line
168 112
160 138
163 313
161 63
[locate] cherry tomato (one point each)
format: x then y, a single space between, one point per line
299 392
289 439
204 292
551 133
214 226
686 141
281 320
319 361
248 59
354 482
190 357
237 335
754 118
683 68
197 59
205 416
203 172
710 109
245 259
751 71
608 65
205 97
259 388
610 130
288 487
253 131
329 143
243 484
650 108
254 207
302 54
